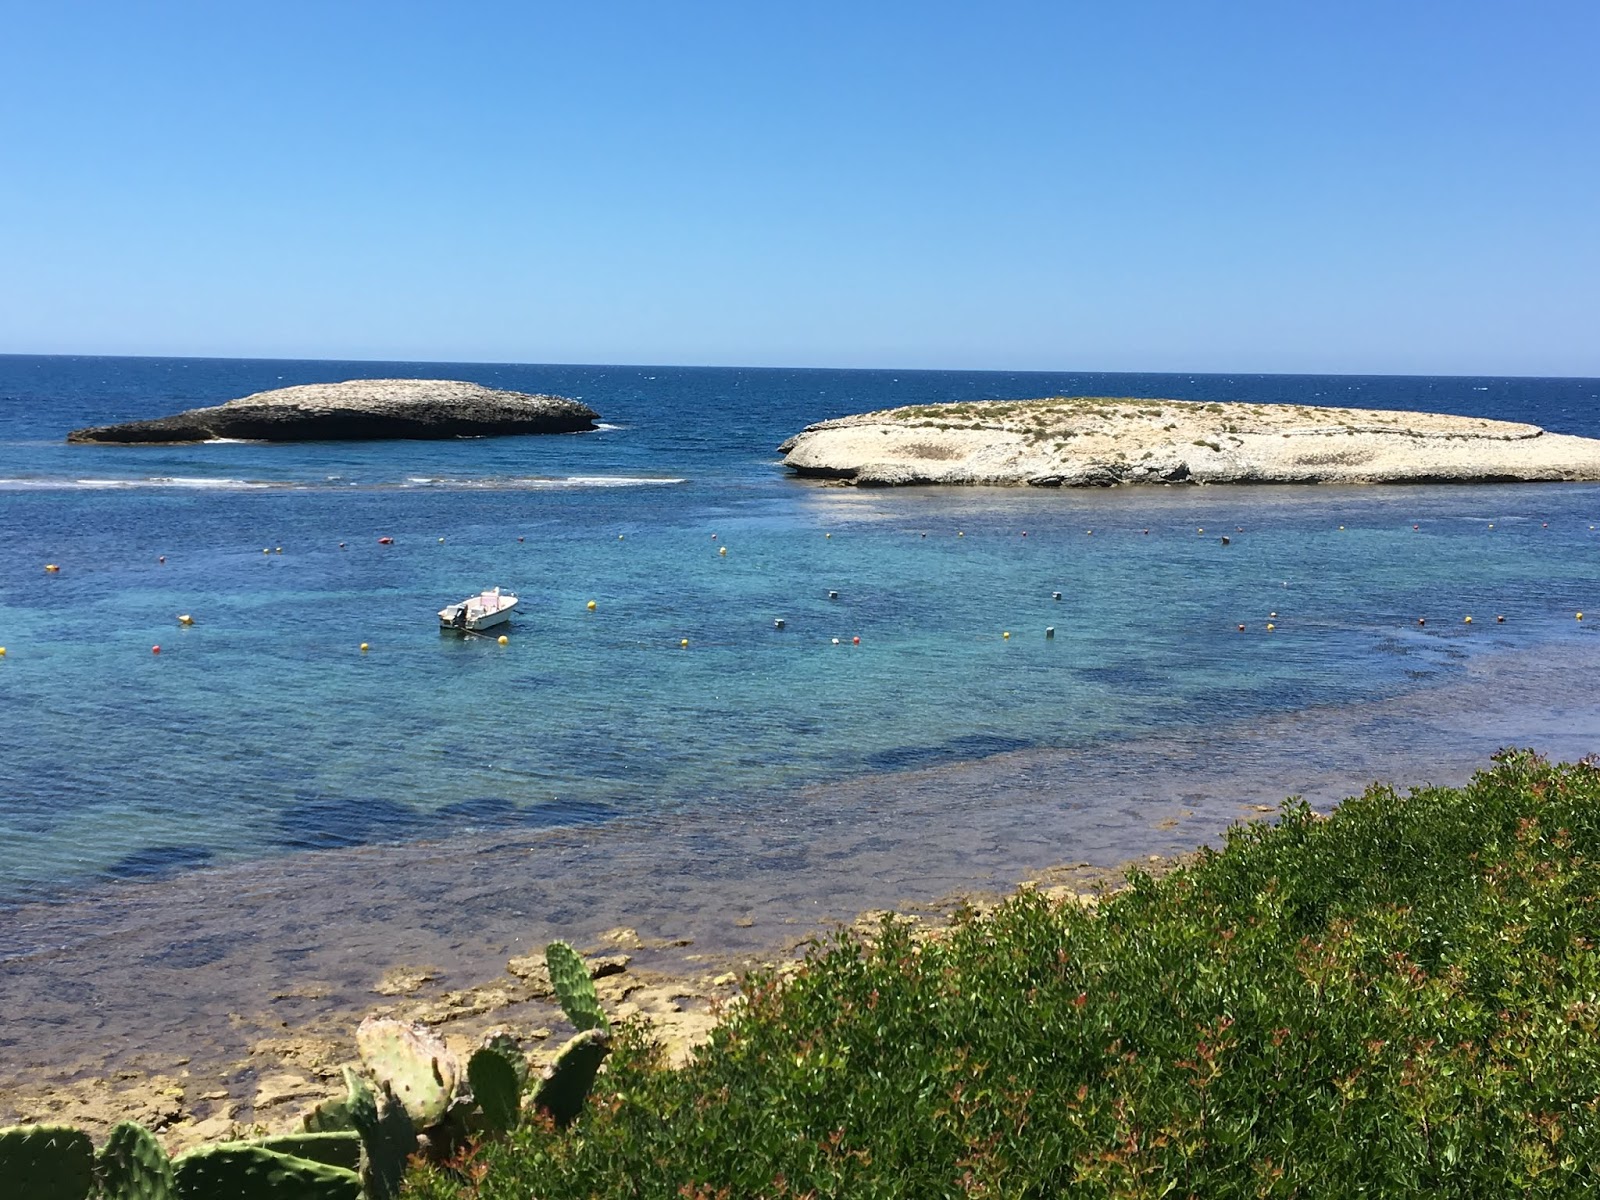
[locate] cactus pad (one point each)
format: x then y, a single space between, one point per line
240 1171
338 1148
566 1083
496 1087
46 1162
570 977
331 1116
413 1063
133 1166
387 1138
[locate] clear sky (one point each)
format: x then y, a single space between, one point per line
1408 186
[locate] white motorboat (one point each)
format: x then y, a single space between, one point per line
477 613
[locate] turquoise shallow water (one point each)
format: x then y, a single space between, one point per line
262 731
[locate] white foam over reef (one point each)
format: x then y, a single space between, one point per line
535 482
160 481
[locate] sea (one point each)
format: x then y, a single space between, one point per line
725 687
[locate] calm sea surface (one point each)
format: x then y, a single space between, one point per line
262 732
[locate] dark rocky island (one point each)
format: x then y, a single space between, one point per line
359 410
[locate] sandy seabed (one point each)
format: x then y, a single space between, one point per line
226 998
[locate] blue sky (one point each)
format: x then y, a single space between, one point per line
1408 187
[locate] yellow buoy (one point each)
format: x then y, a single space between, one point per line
280 550
363 647
723 551
591 606
1580 616
185 619
1006 634
827 535
961 534
1270 626
266 549
2 651
684 644
51 568
503 640
1467 621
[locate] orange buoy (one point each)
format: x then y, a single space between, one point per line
855 641
155 649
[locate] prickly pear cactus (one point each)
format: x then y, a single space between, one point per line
567 1081
413 1064
339 1148
495 1087
133 1166
240 1171
570 977
46 1162
387 1138
499 1039
331 1116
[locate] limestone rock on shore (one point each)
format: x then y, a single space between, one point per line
1099 442
361 409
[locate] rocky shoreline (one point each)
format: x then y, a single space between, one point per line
359 409
680 994
1103 442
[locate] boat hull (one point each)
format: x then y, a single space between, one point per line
478 613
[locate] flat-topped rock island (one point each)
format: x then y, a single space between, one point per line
360 409
1086 441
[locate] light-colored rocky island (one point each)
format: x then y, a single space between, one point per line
1086 441
360 409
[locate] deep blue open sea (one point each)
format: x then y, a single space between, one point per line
263 731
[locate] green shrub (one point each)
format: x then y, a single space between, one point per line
1400 1000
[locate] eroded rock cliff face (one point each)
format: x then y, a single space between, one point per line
361 409
1096 442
